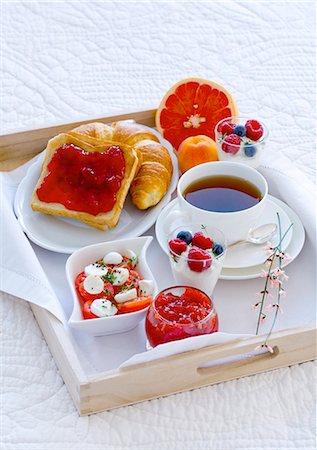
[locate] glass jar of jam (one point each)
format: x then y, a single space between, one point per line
179 312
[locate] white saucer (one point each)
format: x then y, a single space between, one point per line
295 244
66 235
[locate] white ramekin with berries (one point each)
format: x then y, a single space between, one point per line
241 140
196 255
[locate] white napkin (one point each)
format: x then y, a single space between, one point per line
21 274
293 187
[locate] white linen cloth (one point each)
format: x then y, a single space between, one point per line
65 60
21 273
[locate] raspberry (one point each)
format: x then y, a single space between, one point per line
226 128
198 259
231 144
202 241
254 130
177 246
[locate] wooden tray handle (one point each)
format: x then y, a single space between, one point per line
189 370
233 361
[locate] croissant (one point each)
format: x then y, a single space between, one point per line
155 165
95 130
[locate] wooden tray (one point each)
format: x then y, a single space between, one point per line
161 377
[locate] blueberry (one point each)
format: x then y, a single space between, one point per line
185 236
249 150
239 130
217 249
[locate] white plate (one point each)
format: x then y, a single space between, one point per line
293 248
63 235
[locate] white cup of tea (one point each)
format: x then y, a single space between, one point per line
235 224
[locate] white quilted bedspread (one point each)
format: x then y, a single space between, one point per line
63 61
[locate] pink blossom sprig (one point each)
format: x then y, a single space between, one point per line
274 277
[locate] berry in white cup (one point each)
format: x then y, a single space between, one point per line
196 255
241 140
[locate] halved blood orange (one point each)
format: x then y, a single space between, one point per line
193 106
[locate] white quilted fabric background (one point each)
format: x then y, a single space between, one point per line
61 61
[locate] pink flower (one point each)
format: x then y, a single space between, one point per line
273 306
274 277
282 292
287 258
265 293
269 246
268 263
263 274
280 273
255 305
268 347
275 282
262 320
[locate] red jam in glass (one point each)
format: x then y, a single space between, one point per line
83 181
180 312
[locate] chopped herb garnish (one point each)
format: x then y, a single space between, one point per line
133 260
108 277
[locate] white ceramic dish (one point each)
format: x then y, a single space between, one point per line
66 235
293 247
84 256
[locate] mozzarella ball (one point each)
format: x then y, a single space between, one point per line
96 269
120 276
102 307
146 288
125 296
93 284
113 258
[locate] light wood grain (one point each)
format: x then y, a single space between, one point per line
17 148
182 372
176 373
61 345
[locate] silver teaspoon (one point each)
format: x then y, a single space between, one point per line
259 235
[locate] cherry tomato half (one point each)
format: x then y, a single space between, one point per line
134 278
87 311
80 277
127 262
108 292
134 305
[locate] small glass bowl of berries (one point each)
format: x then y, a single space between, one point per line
240 139
196 255
180 312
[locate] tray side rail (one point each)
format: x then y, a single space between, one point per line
17 148
194 369
62 349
